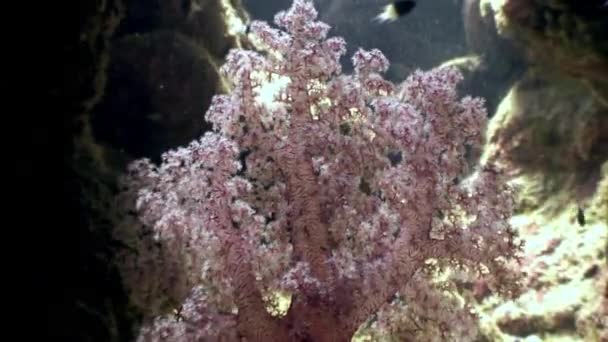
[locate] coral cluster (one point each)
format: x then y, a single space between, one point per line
344 203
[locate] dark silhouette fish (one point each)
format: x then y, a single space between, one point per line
580 216
395 10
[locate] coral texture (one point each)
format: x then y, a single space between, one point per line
346 198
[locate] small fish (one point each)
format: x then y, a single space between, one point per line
580 217
395 10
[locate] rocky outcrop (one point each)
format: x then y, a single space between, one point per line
133 80
163 73
551 131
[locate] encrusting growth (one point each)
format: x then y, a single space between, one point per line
347 197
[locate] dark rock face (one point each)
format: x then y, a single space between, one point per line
556 128
481 32
501 62
162 76
158 90
81 285
566 36
131 79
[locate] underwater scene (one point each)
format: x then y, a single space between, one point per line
335 171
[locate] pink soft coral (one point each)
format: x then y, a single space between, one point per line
347 194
